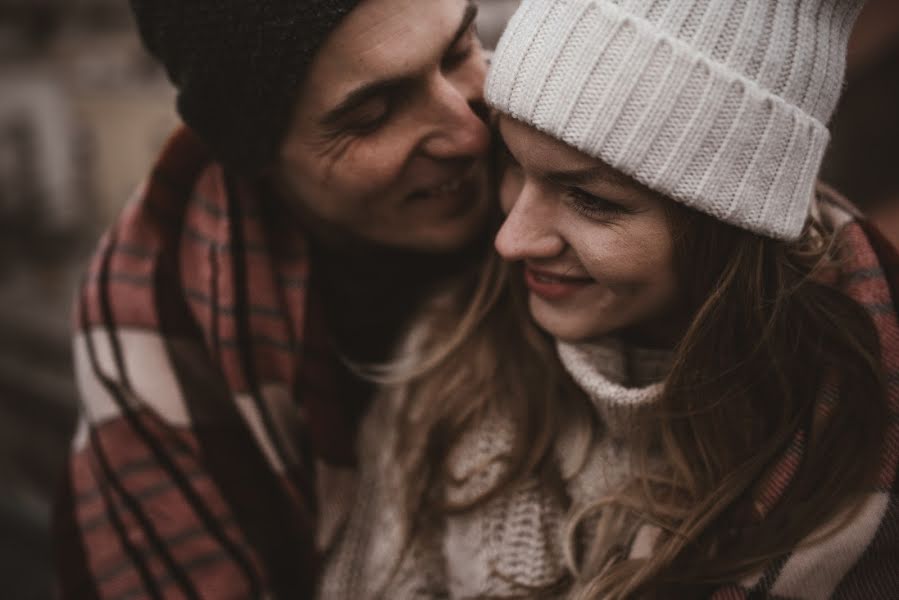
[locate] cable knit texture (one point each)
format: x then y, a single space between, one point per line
510 547
720 104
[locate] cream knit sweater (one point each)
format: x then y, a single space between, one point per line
511 547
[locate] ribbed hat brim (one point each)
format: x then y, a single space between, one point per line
620 89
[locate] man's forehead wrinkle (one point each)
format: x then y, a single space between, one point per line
390 27
383 59
423 38
423 42
387 49
384 51
342 55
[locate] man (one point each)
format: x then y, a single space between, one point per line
331 172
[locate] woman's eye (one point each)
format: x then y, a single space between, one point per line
593 206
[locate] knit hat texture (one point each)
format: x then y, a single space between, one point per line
721 105
238 65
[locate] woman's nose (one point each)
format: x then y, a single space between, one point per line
529 231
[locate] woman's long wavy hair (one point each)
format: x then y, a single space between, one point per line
766 336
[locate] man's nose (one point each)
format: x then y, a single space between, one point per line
459 119
529 231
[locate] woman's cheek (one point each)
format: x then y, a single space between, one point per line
622 266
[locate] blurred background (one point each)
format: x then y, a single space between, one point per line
83 111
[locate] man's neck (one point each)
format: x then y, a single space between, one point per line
371 291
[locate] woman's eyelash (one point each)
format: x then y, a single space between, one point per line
593 206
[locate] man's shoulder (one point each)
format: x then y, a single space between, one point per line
138 264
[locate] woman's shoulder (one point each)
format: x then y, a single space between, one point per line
855 555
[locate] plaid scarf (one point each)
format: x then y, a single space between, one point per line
208 384
860 562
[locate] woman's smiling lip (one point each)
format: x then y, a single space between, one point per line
554 286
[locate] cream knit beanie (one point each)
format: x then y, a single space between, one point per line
719 104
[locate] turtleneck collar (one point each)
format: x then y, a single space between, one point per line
620 380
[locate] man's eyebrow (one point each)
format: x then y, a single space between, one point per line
471 11
373 89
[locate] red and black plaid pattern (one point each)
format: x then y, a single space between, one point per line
208 389
860 562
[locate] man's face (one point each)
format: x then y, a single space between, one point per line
388 141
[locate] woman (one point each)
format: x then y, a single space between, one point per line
730 330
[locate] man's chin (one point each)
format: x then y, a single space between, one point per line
453 228
454 232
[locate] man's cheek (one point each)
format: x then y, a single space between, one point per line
375 170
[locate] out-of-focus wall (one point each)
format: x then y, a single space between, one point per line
863 160
82 112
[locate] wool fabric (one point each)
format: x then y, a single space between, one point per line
512 546
238 65
184 362
721 105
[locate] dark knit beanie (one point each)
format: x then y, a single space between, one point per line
238 65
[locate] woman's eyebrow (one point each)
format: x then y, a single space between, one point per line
589 175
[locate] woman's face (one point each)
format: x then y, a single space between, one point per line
596 246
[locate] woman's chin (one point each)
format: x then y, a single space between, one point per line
568 328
